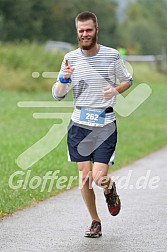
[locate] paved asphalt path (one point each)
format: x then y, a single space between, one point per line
58 224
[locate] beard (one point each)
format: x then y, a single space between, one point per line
93 41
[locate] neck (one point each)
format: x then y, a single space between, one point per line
92 51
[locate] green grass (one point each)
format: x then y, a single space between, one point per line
144 131
18 132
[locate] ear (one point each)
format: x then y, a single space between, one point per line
97 29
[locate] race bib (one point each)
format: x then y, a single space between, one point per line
92 116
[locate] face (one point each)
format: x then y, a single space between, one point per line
87 34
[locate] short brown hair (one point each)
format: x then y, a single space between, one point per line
86 15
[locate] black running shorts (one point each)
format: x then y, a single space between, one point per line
96 144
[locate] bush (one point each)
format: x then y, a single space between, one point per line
19 61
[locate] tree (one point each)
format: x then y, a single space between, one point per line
145 26
22 19
43 20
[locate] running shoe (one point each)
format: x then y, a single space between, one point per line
113 201
94 231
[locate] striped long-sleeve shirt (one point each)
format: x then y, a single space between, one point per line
91 74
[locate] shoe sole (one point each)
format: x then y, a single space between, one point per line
93 235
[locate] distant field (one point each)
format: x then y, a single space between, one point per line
144 131
19 61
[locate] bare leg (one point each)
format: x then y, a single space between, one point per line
101 179
87 191
100 176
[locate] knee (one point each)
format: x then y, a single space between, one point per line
85 177
101 179
97 180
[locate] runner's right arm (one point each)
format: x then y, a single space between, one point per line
61 87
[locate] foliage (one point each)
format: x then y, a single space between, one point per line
18 61
143 29
42 20
145 26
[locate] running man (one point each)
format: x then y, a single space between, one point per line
97 75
